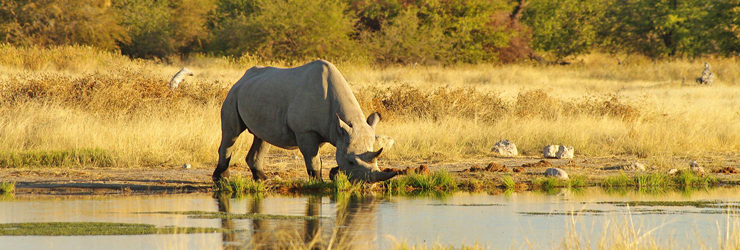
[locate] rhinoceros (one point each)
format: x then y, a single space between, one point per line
302 107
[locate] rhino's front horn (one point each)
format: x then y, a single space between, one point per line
368 175
382 176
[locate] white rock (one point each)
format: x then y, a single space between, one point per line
187 165
565 152
556 172
505 148
384 142
550 151
634 166
672 171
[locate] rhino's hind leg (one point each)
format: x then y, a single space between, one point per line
309 144
255 158
224 157
231 127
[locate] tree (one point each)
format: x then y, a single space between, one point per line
657 28
60 22
563 27
160 28
288 30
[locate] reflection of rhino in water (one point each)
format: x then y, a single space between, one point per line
302 107
354 226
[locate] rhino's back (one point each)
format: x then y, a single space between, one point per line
277 103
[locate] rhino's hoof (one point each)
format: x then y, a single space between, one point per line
219 176
333 173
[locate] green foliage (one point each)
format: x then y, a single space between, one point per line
159 28
60 22
658 28
654 180
508 182
383 31
7 187
563 27
616 181
688 179
239 185
435 181
56 158
287 30
576 181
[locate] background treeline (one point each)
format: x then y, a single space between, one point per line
380 31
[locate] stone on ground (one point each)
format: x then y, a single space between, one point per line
550 151
556 172
634 166
505 148
565 152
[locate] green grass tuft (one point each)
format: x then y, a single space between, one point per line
57 158
577 181
239 185
508 182
435 181
7 187
654 180
438 180
616 181
690 179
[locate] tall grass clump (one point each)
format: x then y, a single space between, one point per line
57 158
7 187
653 180
508 182
239 185
435 181
616 181
687 178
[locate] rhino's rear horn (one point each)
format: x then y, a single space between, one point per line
372 156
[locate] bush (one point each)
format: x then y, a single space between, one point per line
60 22
288 30
160 28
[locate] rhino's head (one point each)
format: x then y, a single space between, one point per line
355 155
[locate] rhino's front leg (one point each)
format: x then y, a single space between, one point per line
309 144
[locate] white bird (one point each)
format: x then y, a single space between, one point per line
179 77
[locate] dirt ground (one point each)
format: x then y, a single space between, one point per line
176 179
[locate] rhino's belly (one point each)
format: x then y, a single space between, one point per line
274 133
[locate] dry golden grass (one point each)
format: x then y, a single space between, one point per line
71 98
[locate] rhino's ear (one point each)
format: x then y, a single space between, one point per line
342 126
373 119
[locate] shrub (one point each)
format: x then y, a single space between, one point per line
60 22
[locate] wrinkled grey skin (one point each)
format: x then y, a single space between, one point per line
302 107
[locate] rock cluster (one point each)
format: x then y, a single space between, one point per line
558 151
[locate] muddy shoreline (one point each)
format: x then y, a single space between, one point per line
175 179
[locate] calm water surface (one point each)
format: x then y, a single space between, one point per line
529 219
